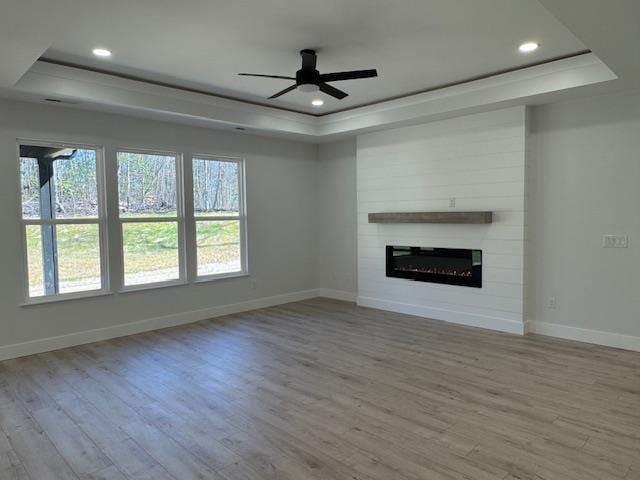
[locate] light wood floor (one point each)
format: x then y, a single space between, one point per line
322 390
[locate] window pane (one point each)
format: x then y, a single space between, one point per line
35 271
78 248
215 187
65 178
75 185
147 185
61 182
30 188
150 252
218 247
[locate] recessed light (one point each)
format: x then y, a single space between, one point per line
317 102
528 47
101 52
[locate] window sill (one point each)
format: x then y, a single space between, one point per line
221 276
65 297
153 286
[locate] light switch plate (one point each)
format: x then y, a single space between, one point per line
615 241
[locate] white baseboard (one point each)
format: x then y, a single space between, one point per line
337 294
79 338
451 316
598 337
32 347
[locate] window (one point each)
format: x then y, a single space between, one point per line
218 201
160 239
63 219
151 217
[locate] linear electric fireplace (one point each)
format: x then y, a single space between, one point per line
453 266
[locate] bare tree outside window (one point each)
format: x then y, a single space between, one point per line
149 213
219 216
60 212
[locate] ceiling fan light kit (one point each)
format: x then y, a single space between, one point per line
309 79
308 87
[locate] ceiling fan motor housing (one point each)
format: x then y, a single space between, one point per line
307 80
308 77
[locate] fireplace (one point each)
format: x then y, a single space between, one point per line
453 266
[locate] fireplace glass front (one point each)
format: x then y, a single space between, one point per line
453 266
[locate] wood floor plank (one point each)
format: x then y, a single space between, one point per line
16 472
135 462
8 457
92 422
109 473
15 417
73 444
322 389
39 456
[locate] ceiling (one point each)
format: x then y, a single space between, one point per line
416 45
436 58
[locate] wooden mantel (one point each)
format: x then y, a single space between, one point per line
431 217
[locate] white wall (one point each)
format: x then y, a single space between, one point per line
282 224
479 160
584 182
337 218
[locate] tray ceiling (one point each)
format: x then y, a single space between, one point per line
416 45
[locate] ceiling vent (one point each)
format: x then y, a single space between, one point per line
59 100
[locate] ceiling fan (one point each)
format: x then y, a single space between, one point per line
309 79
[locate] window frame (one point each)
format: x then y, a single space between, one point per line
241 218
110 224
179 219
101 221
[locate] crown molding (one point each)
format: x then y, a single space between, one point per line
100 91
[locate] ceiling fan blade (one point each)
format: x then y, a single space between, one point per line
336 76
266 76
309 59
282 92
334 92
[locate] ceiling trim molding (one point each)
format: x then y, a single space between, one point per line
460 82
100 91
264 104
515 87
86 86
169 85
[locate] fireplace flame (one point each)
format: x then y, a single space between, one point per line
435 271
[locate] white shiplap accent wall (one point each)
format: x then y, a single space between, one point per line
479 160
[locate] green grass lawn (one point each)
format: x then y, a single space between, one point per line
147 247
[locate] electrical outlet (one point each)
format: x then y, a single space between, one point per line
253 283
552 302
452 202
615 241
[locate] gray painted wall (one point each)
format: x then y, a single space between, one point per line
282 225
583 183
337 218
